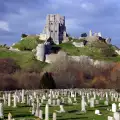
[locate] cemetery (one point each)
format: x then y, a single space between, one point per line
60 104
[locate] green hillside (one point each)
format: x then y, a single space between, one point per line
96 50
28 43
25 59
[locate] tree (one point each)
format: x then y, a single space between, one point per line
99 82
65 72
47 81
84 35
24 35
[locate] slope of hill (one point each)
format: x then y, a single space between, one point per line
25 59
96 50
83 74
28 43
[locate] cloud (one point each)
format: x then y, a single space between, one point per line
4 26
21 16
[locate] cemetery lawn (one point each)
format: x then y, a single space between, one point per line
72 112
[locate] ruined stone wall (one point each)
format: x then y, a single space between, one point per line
55 27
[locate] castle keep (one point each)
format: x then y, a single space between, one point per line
55 28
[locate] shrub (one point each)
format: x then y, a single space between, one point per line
27 80
99 82
24 35
84 35
108 52
7 82
47 81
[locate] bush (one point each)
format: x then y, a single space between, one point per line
99 82
27 80
108 52
24 35
47 81
7 82
84 35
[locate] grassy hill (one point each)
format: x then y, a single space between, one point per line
25 59
28 43
96 50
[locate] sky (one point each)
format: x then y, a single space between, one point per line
29 16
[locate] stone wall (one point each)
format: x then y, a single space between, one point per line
40 52
55 27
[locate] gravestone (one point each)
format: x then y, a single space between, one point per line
114 107
54 116
116 116
1 110
46 112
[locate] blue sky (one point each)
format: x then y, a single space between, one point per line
28 16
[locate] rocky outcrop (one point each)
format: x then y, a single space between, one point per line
92 38
14 49
51 58
117 51
108 40
78 44
87 59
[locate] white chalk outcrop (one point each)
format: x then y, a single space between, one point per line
117 51
78 44
14 49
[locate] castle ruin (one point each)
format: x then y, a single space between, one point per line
55 28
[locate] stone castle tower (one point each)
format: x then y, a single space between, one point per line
55 28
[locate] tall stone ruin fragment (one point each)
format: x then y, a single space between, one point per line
55 28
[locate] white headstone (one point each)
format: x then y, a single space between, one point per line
92 102
116 116
110 118
58 101
61 108
41 114
114 107
9 116
83 104
54 116
97 112
23 93
15 101
9 99
1 110
46 112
